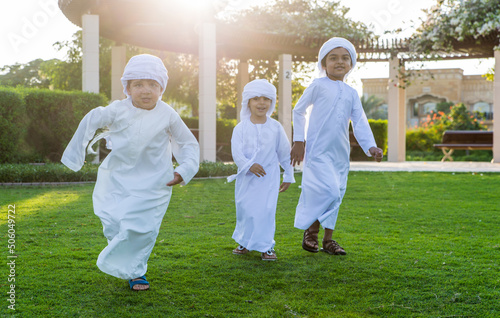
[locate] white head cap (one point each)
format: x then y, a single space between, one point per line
332 44
145 66
257 88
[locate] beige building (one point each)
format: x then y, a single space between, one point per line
430 87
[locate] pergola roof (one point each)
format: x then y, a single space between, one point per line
156 25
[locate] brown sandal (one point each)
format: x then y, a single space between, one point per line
333 248
240 250
311 238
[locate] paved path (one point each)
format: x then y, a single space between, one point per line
448 166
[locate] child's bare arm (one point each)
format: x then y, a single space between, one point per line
284 186
176 180
257 170
376 153
297 153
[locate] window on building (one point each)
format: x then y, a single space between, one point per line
483 110
429 107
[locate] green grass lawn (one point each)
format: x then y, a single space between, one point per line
418 245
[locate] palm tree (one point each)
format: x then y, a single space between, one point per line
371 105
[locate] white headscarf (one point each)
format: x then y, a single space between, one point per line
257 88
332 44
145 66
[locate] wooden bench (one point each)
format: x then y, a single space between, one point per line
464 140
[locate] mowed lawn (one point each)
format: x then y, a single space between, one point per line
418 245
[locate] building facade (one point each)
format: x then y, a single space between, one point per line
429 87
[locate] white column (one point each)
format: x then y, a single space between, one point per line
241 80
118 62
207 91
285 94
90 58
396 130
90 48
496 110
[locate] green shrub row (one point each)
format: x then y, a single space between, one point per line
57 172
37 124
379 129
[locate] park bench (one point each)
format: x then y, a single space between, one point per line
464 140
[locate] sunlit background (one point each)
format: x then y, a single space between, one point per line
29 28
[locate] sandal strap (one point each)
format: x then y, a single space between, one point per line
311 236
332 245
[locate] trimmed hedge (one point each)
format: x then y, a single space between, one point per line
224 130
37 124
54 117
57 172
379 129
12 123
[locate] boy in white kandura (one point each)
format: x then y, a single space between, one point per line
326 162
259 146
134 182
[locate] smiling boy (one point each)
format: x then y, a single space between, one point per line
134 182
326 154
259 146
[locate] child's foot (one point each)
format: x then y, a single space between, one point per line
333 248
310 241
139 283
269 256
240 250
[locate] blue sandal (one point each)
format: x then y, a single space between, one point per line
141 281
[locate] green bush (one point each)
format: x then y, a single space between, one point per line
57 172
224 131
53 118
12 123
423 138
379 129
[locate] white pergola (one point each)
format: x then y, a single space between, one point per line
208 46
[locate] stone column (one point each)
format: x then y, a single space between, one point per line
496 110
396 130
207 92
285 94
241 80
118 62
90 58
90 50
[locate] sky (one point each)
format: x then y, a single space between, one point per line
29 28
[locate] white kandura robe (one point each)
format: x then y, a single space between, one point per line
256 198
326 162
130 196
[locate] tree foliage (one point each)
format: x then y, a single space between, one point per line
451 20
371 105
25 75
305 18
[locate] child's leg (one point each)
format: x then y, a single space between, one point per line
310 240
330 246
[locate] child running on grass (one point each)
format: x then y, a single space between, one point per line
259 146
326 163
134 182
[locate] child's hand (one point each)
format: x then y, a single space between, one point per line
284 186
297 153
376 153
257 170
177 179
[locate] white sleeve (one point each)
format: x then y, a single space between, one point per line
237 148
187 153
74 154
361 127
283 151
299 113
